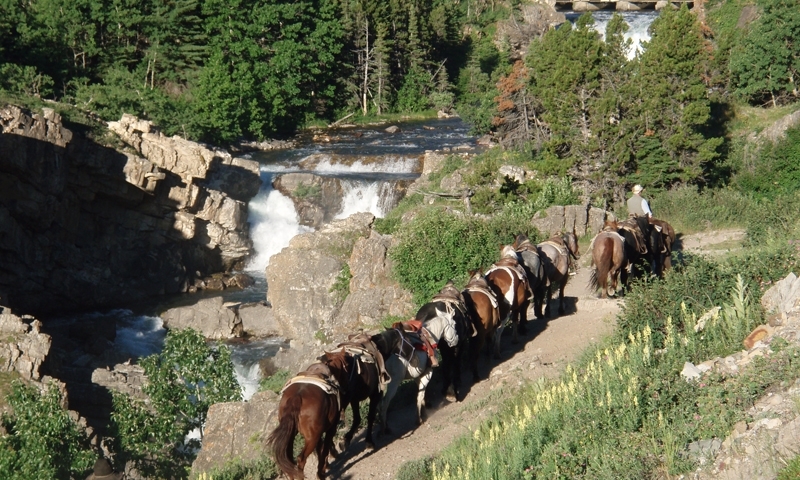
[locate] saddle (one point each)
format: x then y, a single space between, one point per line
320 375
361 347
527 245
481 286
631 226
420 341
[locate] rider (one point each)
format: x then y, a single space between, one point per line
637 205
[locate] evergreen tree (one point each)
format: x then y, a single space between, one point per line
765 64
672 106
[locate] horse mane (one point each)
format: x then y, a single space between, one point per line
508 251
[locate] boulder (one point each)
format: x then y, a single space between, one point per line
218 320
236 431
584 219
301 276
783 297
24 348
373 293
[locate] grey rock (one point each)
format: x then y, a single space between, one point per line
236 431
690 372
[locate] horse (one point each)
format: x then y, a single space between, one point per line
404 359
484 312
509 283
528 256
636 231
662 246
311 405
445 319
556 254
367 380
608 260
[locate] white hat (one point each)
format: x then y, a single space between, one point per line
637 188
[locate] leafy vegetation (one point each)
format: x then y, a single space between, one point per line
184 380
39 438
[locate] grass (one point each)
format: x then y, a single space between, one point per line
623 411
6 379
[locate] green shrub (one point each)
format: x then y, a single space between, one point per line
261 469
274 382
341 286
307 191
451 164
776 171
184 380
791 471
689 210
39 439
389 224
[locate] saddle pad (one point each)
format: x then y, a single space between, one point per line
326 386
485 291
560 248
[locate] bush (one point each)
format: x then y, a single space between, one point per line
40 440
184 380
261 469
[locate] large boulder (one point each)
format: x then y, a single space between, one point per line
301 276
24 347
84 225
583 219
373 293
216 319
236 431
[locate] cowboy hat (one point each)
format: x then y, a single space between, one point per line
637 188
103 471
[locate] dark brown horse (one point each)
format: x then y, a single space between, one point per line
310 404
484 312
662 257
608 260
534 269
557 254
367 380
509 283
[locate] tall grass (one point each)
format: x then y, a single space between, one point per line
623 411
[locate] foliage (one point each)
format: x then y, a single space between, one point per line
260 469
776 171
184 380
391 222
40 439
307 191
765 62
623 410
451 164
791 470
341 286
274 382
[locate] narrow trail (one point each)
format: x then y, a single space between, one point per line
547 348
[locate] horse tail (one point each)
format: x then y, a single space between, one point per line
600 253
593 282
282 438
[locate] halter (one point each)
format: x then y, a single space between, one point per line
404 341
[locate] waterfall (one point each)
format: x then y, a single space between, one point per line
273 223
638 23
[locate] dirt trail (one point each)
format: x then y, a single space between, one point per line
549 345
544 352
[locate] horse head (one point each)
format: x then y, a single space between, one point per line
520 240
610 226
337 362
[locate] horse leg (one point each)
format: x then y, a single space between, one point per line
496 342
561 295
422 384
447 367
374 402
391 389
547 294
310 445
348 437
324 448
523 316
475 348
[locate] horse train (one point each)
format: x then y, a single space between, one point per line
455 322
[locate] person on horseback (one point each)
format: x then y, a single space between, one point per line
637 205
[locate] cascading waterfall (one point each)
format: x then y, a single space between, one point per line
638 23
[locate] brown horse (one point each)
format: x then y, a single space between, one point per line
608 260
556 254
310 404
484 312
662 259
509 283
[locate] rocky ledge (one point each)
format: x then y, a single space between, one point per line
84 225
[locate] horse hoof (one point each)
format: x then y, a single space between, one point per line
370 445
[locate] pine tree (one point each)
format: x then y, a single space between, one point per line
672 106
765 64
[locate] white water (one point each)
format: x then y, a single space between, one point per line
273 223
638 23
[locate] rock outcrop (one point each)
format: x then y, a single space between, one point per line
218 320
24 347
83 225
584 219
236 431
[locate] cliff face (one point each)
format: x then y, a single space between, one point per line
84 226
